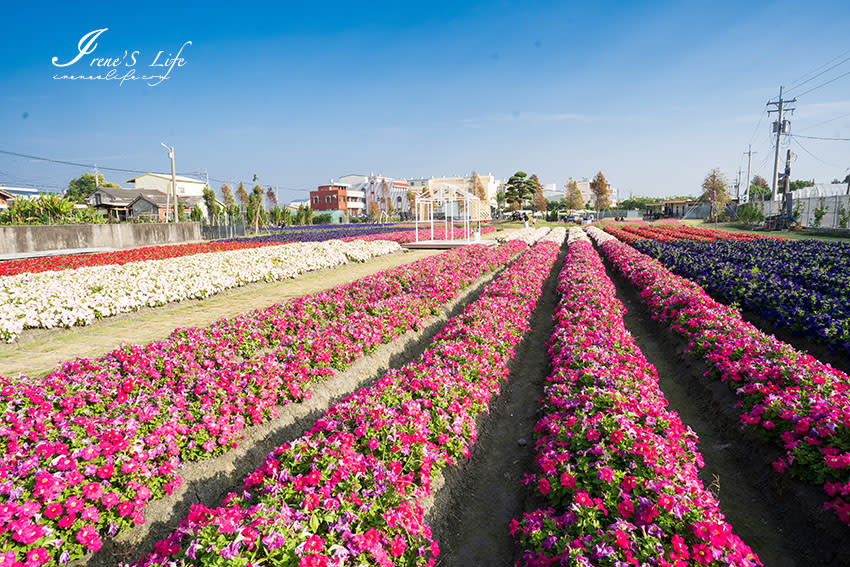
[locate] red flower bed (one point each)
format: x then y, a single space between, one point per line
788 396
617 468
669 233
73 261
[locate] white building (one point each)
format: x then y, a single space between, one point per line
490 183
379 193
186 186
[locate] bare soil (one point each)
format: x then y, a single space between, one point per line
480 497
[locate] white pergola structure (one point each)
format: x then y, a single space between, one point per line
469 208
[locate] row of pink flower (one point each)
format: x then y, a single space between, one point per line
346 493
788 396
86 447
407 236
617 468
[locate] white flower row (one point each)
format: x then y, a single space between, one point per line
599 235
557 235
577 234
528 235
78 297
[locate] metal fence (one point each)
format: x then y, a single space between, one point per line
814 212
220 231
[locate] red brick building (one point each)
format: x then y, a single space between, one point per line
338 197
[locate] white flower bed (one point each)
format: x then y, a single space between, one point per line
557 235
577 234
528 235
78 297
599 235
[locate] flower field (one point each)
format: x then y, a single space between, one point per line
617 469
120 257
675 232
396 233
613 475
110 434
347 491
802 286
789 397
80 296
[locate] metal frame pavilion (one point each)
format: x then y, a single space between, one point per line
443 194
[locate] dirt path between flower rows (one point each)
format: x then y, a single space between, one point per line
481 496
781 519
37 351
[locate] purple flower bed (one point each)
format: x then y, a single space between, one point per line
799 285
299 234
617 469
346 493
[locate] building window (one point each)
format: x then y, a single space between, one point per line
327 199
315 199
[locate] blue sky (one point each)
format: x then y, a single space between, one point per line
654 94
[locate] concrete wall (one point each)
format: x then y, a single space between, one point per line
36 238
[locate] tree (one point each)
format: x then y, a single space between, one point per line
599 188
230 205
211 204
243 197
478 188
276 215
181 211
271 197
538 200
500 199
255 211
573 197
79 188
847 179
715 191
800 183
636 202
518 189
759 189
196 214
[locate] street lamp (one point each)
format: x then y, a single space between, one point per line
173 183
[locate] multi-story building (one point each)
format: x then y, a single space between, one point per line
490 184
382 194
186 186
338 197
587 196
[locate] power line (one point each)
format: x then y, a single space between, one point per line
822 72
813 155
116 169
821 138
76 164
825 83
825 122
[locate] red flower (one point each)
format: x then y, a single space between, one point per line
28 533
314 544
37 556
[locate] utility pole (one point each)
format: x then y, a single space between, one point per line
749 153
781 126
738 186
96 178
786 187
173 182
